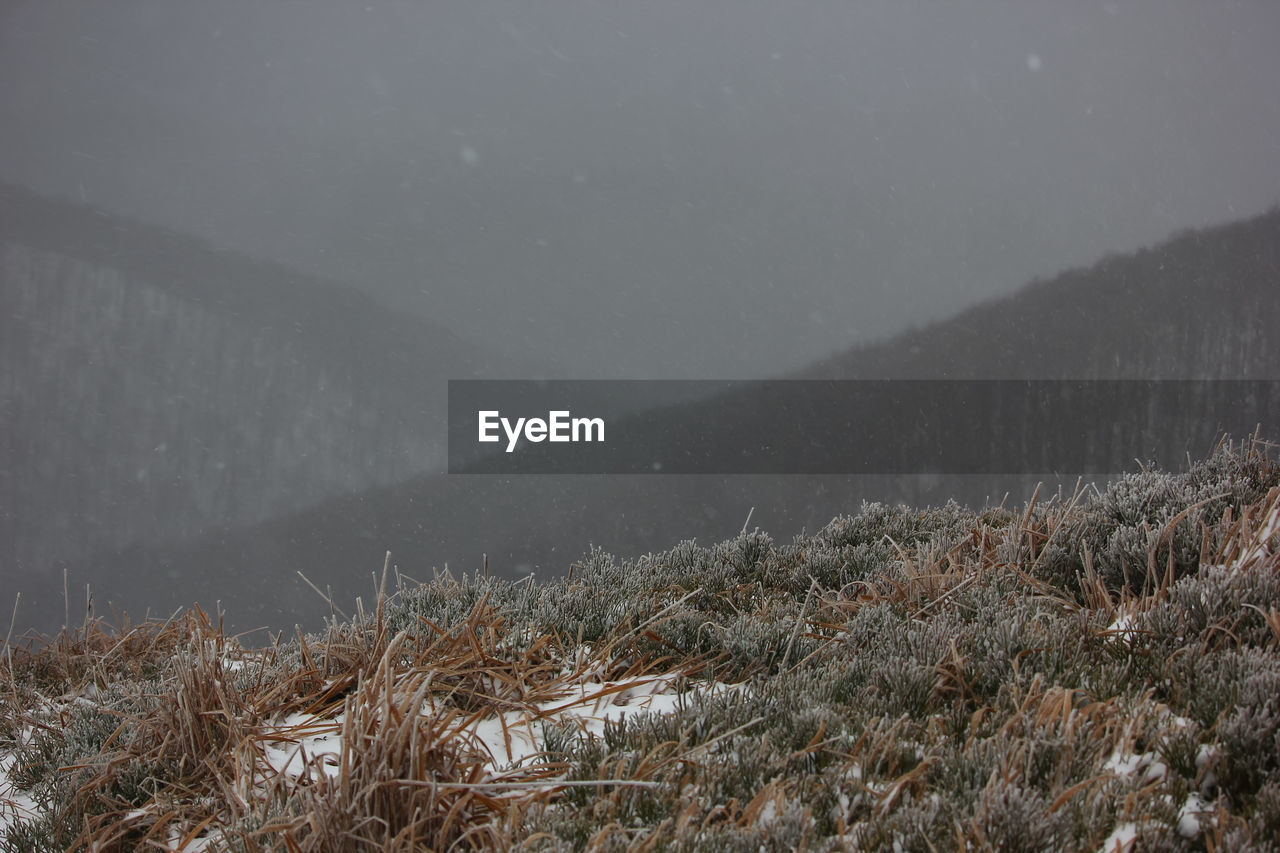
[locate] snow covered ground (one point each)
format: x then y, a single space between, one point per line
303 744
14 804
512 739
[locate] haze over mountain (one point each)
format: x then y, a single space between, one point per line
154 388
652 189
1199 306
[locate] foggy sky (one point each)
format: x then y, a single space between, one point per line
654 188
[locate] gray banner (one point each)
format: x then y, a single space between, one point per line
846 427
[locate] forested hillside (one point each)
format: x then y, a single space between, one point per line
1204 305
154 388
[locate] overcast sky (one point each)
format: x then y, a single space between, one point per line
654 188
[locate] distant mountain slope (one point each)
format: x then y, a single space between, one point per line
1203 305
155 388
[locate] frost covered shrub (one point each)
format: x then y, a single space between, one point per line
754 643
1162 836
909 689
774 831
846 638
726 765
56 763
1227 598
1250 739
1243 839
712 571
904 679
1264 826
444 603
1143 518
1051 753
902 524
920 825
996 643
1219 606
79 742
1208 685
1249 733
891 663
1008 630
1013 818
1180 748
962 772
852 548
745 553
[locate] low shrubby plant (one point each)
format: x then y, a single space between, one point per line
1097 671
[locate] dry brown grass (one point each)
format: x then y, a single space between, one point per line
411 774
199 718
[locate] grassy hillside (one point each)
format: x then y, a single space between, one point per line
1085 672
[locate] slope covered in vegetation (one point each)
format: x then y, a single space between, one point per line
1087 672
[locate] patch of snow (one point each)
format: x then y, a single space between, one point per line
1189 816
15 805
303 742
1125 624
1121 839
516 737
1127 765
306 741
